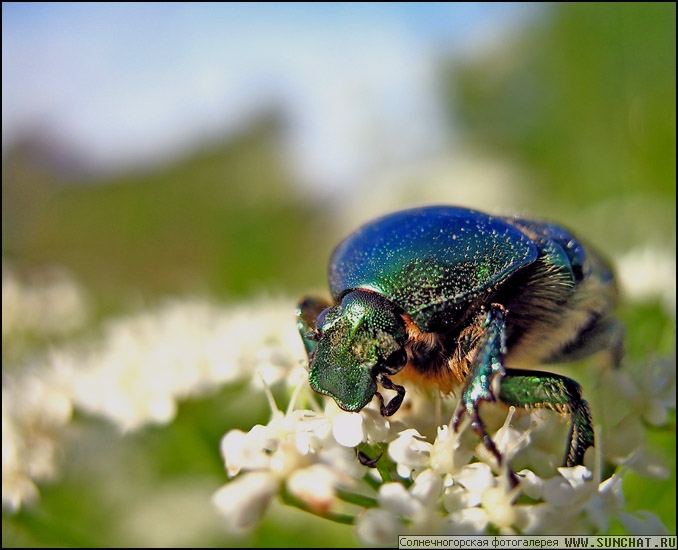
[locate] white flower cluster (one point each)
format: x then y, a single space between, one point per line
34 413
145 364
134 374
295 452
430 479
45 303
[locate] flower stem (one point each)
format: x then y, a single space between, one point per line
359 500
290 500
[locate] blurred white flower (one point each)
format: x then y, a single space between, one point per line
243 502
34 412
315 486
379 527
44 302
642 523
635 395
242 450
648 388
649 273
144 364
135 373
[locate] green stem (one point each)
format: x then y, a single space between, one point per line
290 500
372 482
359 500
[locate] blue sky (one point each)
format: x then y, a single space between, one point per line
134 83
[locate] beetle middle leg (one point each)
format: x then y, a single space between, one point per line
487 365
528 388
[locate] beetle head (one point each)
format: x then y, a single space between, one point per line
358 340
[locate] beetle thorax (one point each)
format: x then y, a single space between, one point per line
431 364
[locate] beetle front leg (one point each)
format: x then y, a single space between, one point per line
394 404
308 310
486 367
526 388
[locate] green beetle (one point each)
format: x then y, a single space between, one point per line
447 297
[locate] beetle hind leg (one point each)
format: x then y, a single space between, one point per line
529 389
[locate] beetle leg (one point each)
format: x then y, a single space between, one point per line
527 388
394 404
486 367
367 461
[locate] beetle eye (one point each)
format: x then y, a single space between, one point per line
397 359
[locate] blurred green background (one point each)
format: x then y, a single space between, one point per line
578 99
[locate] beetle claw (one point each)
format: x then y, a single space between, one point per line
393 405
478 426
367 461
458 415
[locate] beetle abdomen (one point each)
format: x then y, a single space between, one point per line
560 306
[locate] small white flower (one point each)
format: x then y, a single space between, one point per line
510 441
650 388
347 429
379 527
412 507
468 521
456 498
608 500
242 450
427 488
530 484
377 428
410 452
243 501
544 519
316 486
396 499
572 487
642 523
447 455
476 478
498 505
